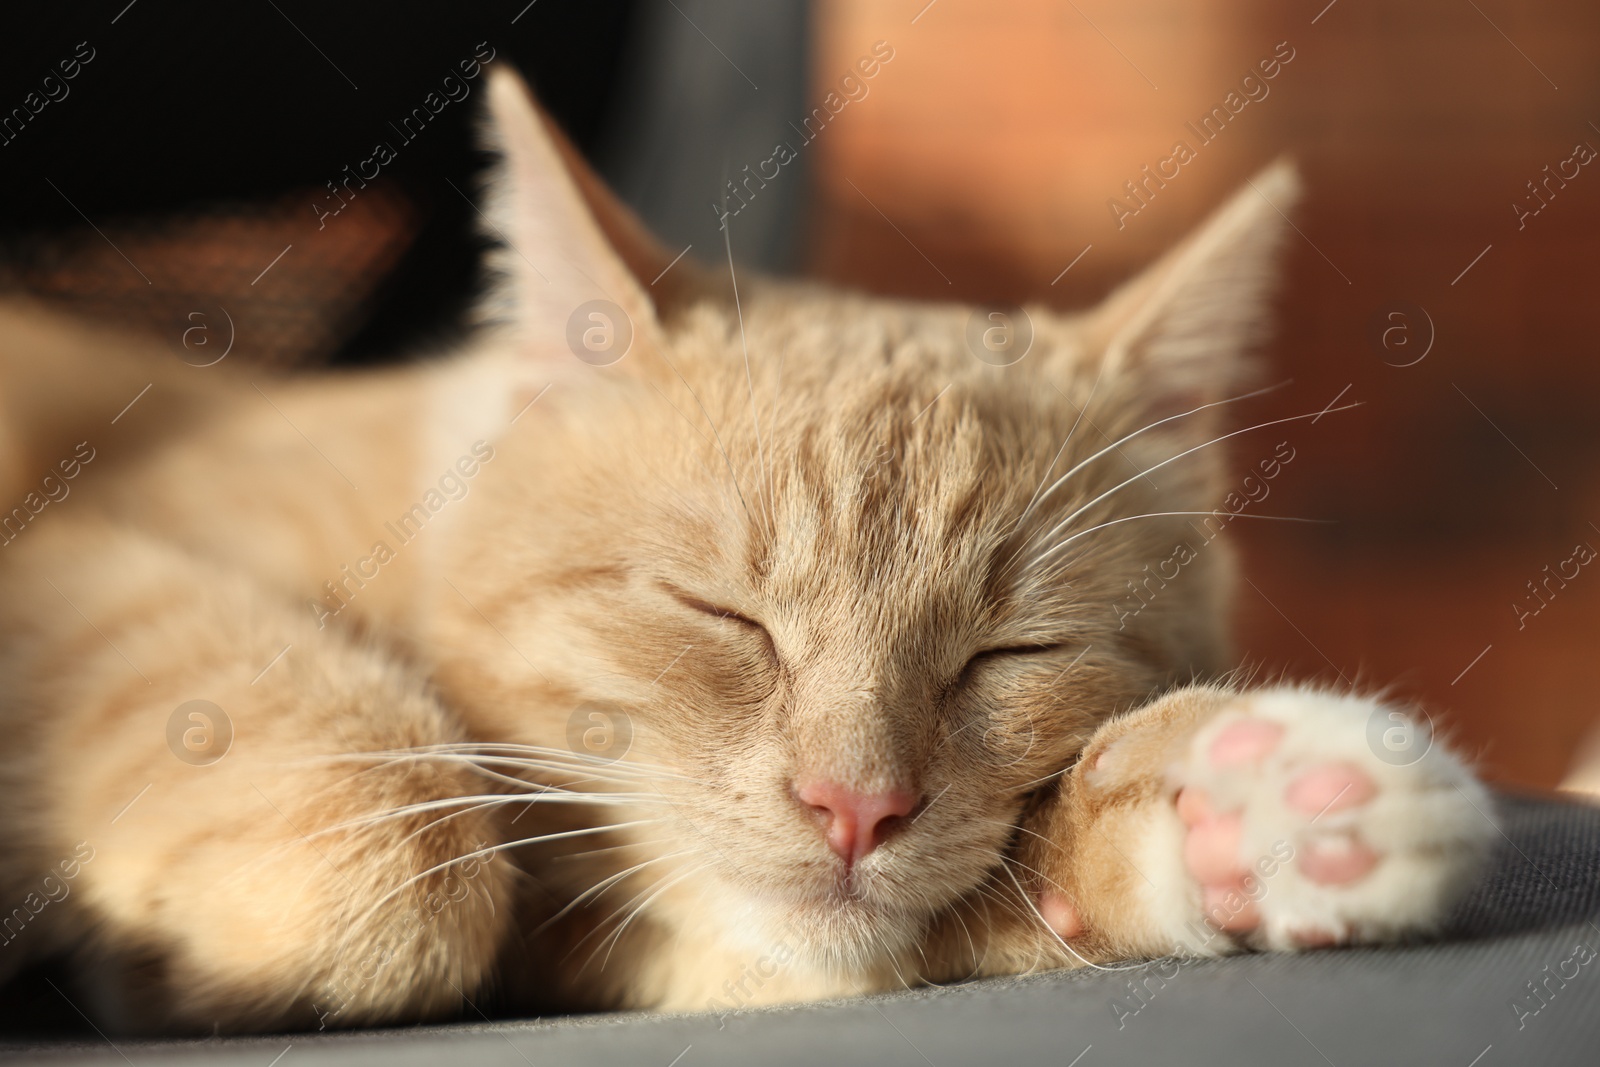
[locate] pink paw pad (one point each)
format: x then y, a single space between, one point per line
1211 850
1245 741
1333 787
1194 806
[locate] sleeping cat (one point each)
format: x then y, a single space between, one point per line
685 641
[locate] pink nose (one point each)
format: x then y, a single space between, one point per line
856 823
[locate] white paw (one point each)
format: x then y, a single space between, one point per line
1305 818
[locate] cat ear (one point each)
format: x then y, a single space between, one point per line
565 242
1184 325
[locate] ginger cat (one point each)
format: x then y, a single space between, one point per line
770 651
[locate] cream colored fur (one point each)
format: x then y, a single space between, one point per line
908 594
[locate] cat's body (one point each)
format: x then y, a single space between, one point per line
822 605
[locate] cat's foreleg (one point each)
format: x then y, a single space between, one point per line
200 749
1213 821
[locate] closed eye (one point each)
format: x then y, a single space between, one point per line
705 607
1016 650
995 655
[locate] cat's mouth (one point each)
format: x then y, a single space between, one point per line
871 901
850 886
857 894
848 889
865 901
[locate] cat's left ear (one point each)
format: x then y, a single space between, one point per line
571 256
1184 325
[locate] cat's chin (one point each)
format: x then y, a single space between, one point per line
837 928
828 921
851 935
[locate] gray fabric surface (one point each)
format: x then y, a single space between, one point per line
1465 1001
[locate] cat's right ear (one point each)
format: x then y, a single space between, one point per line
570 257
1184 325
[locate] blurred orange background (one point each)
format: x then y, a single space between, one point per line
981 163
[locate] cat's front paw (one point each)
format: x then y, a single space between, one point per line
1301 826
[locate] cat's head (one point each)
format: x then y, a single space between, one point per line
849 579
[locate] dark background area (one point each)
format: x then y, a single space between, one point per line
192 107
194 103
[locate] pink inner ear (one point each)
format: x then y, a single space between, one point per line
569 243
1184 325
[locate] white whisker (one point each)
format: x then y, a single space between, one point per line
479 800
749 379
610 880
1025 786
479 853
1064 442
1160 515
1188 451
1113 446
556 757
616 935
1034 910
